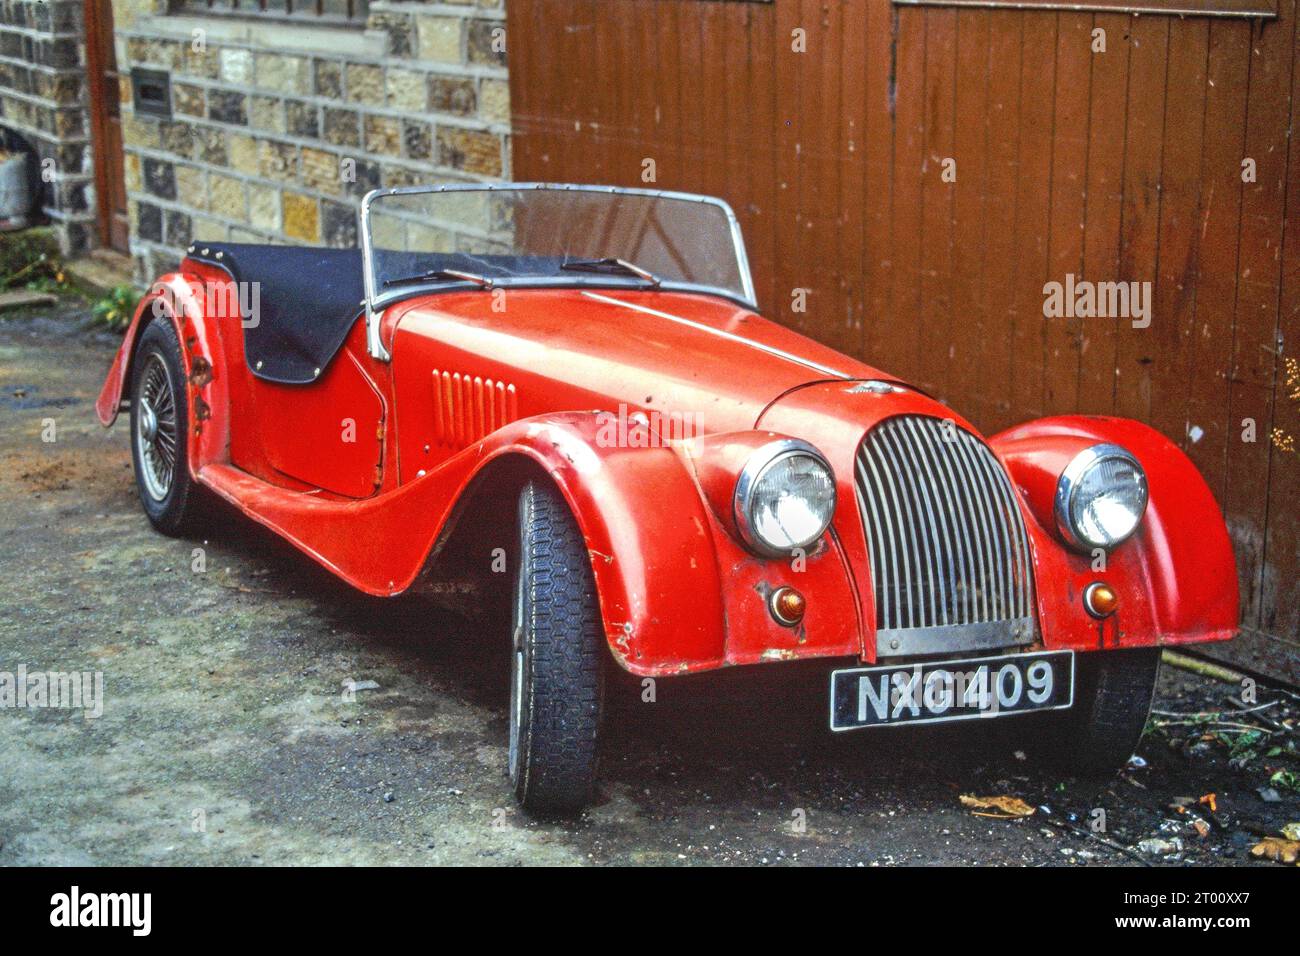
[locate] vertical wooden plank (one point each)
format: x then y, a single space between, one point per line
878 191
969 316
1107 131
816 172
520 67
653 82
900 333
792 117
1074 58
665 92
1173 302
635 108
853 68
701 99
525 145
1140 226
609 126
827 155
734 32
1210 432
993 353
601 108
1033 212
1280 601
1255 344
764 182
567 147
935 314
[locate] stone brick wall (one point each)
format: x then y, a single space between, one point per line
278 130
43 102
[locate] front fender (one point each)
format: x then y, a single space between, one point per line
1176 577
647 532
677 593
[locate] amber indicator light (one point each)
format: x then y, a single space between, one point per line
787 606
1100 599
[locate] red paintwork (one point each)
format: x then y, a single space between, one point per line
468 384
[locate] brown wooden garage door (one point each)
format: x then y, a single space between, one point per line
1118 165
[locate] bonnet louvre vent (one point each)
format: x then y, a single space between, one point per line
467 408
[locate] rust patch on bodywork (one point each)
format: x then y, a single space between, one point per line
200 371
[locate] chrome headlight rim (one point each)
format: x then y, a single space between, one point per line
1068 484
759 462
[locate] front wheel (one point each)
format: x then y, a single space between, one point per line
556 672
1112 700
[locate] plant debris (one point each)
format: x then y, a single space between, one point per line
1011 807
1277 848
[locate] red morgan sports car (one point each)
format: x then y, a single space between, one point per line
569 390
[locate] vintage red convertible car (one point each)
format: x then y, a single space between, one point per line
568 390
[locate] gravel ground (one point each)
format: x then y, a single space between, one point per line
225 737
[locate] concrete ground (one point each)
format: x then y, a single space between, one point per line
226 738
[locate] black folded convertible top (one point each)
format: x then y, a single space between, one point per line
307 300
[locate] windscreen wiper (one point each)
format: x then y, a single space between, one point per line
482 282
611 265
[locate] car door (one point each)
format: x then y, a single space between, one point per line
328 434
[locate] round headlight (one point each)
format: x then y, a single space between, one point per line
1100 497
785 497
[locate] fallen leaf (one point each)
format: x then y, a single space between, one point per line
1011 807
1277 848
1208 800
1291 831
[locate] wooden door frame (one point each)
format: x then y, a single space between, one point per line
96 61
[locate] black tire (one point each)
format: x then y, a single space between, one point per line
557 658
1112 700
157 363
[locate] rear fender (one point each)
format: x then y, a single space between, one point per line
1176 577
177 299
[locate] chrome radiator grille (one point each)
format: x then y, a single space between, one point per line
949 553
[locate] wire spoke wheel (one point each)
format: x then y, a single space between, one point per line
157 430
170 497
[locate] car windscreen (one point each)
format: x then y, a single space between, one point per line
552 235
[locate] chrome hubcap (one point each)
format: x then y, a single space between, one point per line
148 421
156 431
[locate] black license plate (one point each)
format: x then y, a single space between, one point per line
951 690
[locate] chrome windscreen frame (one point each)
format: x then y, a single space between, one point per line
375 303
